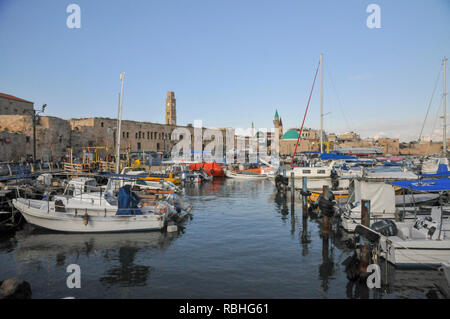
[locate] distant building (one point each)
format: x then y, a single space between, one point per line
348 137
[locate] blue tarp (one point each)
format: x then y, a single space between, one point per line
328 156
425 185
127 202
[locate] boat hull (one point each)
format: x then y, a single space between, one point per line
97 221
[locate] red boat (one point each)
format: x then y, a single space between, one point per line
212 168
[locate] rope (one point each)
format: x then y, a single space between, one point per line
338 98
306 111
429 104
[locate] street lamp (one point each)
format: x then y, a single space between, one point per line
35 113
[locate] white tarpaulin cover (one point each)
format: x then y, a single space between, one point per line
381 196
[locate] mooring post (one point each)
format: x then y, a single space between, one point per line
325 225
292 188
404 206
365 221
304 197
284 185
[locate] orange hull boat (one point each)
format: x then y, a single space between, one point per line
212 169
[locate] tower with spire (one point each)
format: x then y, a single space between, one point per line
277 123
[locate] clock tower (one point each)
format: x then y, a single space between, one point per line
171 109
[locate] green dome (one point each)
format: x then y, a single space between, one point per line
290 135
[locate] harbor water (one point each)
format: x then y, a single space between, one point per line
244 241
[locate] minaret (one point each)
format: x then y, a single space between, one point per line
171 109
276 120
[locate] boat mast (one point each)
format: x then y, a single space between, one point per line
321 104
119 124
444 146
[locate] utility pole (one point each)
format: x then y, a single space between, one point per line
119 124
35 113
444 147
321 104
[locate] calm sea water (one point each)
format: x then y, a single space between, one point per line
243 242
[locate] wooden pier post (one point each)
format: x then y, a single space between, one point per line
304 197
365 221
292 188
326 224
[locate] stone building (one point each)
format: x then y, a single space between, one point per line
390 145
12 105
348 137
52 137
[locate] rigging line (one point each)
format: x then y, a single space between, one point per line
304 116
429 104
339 100
437 117
434 125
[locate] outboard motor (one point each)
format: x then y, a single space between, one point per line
280 181
385 227
327 205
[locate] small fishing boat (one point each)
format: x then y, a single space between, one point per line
245 175
86 215
211 168
422 243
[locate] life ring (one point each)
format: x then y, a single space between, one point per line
192 178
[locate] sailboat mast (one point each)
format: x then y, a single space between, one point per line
321 104
444 146
119 124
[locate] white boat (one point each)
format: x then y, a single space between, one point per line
417 244
95 212
432 165
85 218
245 175
317 177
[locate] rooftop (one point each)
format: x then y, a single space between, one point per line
12 97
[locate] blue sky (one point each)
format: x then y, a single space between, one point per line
230 62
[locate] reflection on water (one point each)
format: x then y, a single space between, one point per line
127 273
244 242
